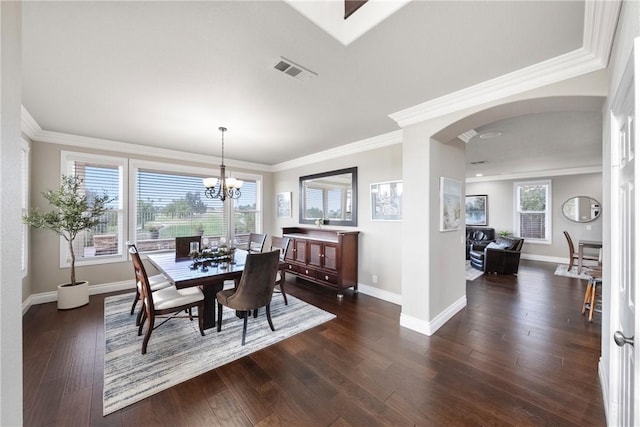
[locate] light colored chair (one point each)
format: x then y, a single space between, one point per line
166 301
254 290
256 242
156 283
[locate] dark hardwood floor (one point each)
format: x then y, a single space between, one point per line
519 354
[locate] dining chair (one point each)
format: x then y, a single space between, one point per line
590 295
168 301
183 245
254 290
573 255
156 283
281 244
256 242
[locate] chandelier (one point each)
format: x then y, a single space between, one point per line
222 188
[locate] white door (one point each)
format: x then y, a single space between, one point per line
624 409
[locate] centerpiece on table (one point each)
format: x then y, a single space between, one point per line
212 257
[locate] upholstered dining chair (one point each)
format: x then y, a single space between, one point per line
281 244
256 242
156 283
168 301
254 290
183 245
573 255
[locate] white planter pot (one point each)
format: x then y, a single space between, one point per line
73 296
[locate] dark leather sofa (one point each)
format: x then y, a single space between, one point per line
479 237
503 256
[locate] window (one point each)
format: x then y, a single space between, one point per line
100 175
169 202
533 211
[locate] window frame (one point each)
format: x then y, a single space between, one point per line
548 220
66 168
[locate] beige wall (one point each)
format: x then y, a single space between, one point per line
379 241
45 271
501 207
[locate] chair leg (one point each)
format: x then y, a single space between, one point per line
147 336
594 289
143 318
244 326
587 297
140 313
201 318
284 294
219 317
268 309
255 313
135 301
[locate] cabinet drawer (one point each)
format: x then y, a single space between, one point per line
327 277
292 268
306 271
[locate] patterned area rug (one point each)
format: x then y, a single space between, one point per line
177 351
561 270
472 273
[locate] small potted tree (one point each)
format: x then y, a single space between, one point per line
74 212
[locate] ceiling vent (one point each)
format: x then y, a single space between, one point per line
479 162
294 70
466 137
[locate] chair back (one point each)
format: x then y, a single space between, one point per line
257 282
570 243
183 245
281 244
142 280
256 242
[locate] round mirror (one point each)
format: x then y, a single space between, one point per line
581 209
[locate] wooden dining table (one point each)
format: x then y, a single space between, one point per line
210 278
582 244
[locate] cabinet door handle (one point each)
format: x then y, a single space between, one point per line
326 277
306 272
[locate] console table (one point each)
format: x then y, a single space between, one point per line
325 257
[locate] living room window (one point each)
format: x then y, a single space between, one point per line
533 211
100 174
169 202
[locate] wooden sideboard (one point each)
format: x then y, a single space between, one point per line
325 257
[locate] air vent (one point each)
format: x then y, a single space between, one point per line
466 137
294 70
479 162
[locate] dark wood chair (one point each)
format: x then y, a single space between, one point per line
156 283
168 301
254 290
281 244
573 255
183 245
256 242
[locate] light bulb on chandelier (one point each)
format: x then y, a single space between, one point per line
222 188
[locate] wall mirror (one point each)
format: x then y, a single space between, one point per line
581 209
331 197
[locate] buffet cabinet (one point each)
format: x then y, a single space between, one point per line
324 257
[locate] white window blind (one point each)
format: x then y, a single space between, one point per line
533 210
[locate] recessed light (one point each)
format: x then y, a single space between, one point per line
478 174
489 135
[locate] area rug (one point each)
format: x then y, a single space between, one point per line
177 352
562 270
472 273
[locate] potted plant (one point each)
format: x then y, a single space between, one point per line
154 229
198 229
505 233
74 212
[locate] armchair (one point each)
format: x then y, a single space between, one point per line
501 256
479 238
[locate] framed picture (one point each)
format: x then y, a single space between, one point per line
450 204
283 204
386 201
476 209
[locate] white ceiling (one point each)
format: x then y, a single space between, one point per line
168 74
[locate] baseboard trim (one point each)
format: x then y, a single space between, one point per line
102 288
380 294
429 328
544 258
604 386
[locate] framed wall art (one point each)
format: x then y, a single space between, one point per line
283 204
476 209
450 204
386 201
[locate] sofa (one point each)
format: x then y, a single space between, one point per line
479 237
501 256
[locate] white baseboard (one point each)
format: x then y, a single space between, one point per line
604 386
429 328
544 258
102 288
380 294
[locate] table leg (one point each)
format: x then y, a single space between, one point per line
580 255
209 314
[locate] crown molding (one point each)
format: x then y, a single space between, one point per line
129 148
379 141
29 126
537 174
600 20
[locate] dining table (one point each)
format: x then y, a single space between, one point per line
582 244
209 276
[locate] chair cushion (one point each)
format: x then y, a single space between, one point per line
156 286
171 297
224 295
494 245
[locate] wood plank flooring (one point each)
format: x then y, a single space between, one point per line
519 354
